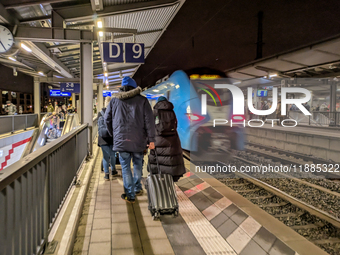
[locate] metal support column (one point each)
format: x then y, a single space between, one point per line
332 107
74 100
333 98
86 90
100 97
37 99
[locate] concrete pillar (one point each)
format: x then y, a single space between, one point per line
100 98
74 100
37 100
86 87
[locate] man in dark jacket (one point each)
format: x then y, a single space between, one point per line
129 120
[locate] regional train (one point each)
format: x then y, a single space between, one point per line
196 128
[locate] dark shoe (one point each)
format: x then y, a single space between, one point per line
139 193
114 173
107 177
127 199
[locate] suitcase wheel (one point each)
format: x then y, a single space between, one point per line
156 216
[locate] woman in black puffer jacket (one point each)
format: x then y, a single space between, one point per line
168 146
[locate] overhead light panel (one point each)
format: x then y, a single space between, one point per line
105 74
13 59
101 33
272 75
41 73
100 24
25 47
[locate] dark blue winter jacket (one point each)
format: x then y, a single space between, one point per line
129 119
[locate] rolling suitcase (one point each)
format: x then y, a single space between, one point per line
162 195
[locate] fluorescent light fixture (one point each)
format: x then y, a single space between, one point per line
272 75
105 74
101 33
100 24
155 90
107 82
41 73
236 82
13 59
25 47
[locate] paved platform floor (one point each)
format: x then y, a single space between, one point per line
209 223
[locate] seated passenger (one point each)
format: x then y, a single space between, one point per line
168 146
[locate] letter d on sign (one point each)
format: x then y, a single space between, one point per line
111 45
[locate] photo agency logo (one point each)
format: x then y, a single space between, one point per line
238 108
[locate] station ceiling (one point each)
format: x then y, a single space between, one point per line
183 34
60 59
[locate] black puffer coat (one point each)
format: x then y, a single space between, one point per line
103 141
168 149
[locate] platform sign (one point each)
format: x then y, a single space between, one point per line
106 93
70 87
123 52
58 93
113 52
262 93
134 52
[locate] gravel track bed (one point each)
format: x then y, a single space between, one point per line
295 216
306 176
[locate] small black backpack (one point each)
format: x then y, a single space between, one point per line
166 122
102 131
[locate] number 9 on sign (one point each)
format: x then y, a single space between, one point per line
134 52
137 50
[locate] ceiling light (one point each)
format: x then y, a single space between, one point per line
101 33
25 47
272 75
236 82
155 90
41 73
13 59
105 74
100 24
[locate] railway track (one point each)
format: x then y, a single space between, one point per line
317 225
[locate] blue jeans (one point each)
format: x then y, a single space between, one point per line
109 157
131 184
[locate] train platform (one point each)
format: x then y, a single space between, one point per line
213 219
319 142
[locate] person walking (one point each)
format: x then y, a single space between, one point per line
168 146
105 142
129 120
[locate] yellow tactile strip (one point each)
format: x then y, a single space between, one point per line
207 236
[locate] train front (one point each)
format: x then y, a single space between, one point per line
222 133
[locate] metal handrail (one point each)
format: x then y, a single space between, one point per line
12 123
33 189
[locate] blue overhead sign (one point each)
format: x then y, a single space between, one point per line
262 93
58 93
123 52
70 87
106 93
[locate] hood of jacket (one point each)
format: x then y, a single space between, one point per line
164 105
127 94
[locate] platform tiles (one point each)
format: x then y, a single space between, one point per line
245 235
208 223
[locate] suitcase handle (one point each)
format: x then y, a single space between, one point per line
159 170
